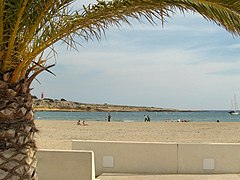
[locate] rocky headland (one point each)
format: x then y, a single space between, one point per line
48 104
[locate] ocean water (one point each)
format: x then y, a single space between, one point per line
204 116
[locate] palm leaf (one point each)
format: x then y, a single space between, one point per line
1 26
43 23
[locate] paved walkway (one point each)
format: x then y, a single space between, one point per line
169 177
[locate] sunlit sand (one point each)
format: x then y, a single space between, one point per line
55 134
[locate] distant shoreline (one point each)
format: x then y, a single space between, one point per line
76 110
70 106
63 105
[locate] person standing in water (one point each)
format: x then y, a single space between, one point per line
109 117
145 118
148 118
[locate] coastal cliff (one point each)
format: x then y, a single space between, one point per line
48 104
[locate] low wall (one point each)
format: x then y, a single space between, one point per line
162 158
131 157
209 158
62 165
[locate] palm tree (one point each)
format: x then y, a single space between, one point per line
28 31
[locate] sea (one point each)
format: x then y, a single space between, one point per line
198 116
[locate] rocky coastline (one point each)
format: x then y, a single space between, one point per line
48 104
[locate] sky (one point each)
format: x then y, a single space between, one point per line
189 63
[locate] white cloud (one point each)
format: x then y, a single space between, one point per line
187 65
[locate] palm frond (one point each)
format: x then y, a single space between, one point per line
30 26
224 13
1 26
13 37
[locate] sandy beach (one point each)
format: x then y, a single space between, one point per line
57 134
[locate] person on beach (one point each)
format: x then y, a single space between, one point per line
79 122
85 124
148 118
145 118
109 117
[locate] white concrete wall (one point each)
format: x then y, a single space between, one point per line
209 158
65 165
162 158
131 157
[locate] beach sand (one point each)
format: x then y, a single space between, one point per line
57 134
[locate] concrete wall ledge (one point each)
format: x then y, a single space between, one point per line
209 158
162 158
131 157
65 164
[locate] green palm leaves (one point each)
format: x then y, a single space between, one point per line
29 27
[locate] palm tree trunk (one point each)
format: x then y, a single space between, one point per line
17 129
